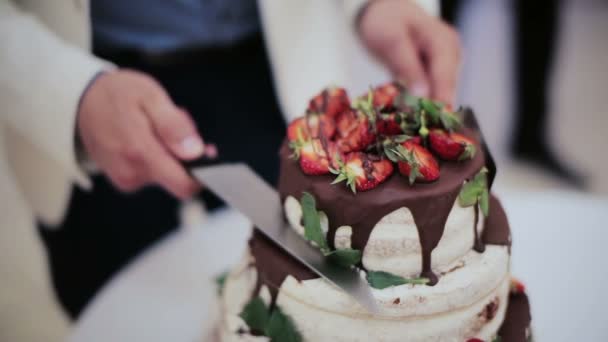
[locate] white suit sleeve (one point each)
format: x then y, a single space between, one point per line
42 79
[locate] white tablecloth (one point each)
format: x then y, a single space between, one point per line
559 251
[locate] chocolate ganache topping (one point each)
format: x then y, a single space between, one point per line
430 204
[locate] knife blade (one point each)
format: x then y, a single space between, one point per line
240 187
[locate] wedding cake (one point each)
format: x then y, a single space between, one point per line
398 187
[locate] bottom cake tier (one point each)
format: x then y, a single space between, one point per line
475 301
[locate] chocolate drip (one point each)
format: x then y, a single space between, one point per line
517 319
273 265
496 228
478 245
430 204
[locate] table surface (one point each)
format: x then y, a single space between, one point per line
168 293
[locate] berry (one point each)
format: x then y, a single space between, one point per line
315 158
310 126
331 101
418 164
517 286
355 132
363 172
389 124
385 95
451 146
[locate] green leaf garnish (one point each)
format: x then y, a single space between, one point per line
381 280
312 222
484 202
345 257
256 315
220 282
450 120
476 192
497 339
276 325
280 328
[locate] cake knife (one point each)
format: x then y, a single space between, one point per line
240 187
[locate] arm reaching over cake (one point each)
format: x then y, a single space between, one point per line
419 49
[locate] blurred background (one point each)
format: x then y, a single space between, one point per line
535 72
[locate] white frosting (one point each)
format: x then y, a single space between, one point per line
448 311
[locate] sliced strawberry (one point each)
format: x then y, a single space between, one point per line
384 95
517 286
362 171
418 163
389 124
416 140
310 126
355 132
468 143
315 156
331 101
451 146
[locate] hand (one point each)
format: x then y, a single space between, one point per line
420 50
132 130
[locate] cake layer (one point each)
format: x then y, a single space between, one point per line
394 244
428 208
419 313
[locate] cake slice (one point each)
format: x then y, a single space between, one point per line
398 187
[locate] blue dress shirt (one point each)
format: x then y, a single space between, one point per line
165 25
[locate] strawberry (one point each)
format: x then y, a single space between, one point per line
313 156
451 146
474 340
355 131
384 95
362 171
416 140
331 101
309 126
417 163
517 286
389 124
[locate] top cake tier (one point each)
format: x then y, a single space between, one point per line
400 178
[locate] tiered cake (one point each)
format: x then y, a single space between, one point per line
397 186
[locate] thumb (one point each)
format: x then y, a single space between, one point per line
175 128
405 62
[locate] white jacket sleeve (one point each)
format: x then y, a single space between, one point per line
42 79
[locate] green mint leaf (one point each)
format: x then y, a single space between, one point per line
381 280
411 101
469 194
484 202
312 222
472 191
280 328
256 315
345 257
449 120
497 339
401 138
220 282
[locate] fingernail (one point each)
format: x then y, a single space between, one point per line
420 89
192 146
211 151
